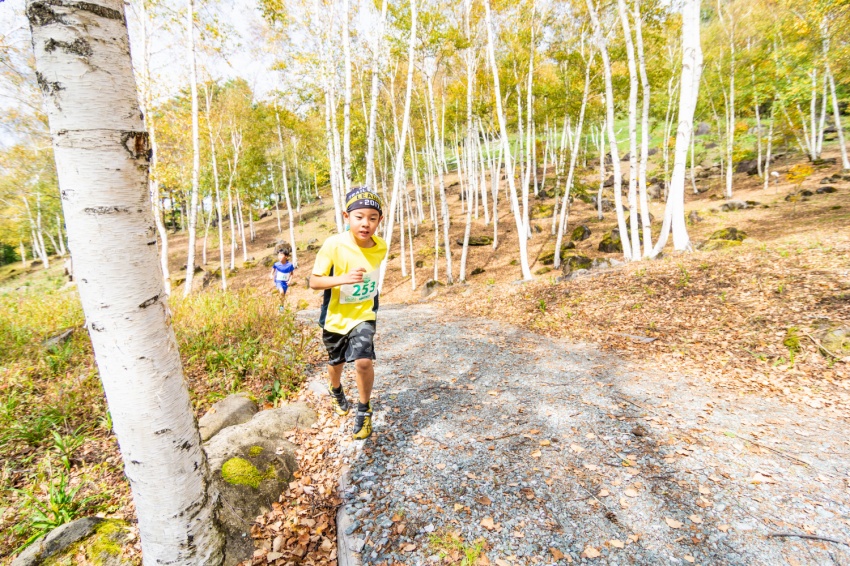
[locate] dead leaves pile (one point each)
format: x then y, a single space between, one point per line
301 527
719 315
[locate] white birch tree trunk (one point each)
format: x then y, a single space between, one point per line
634 235
769 147
373 106
644 134
612 135
522 231
565 202
845 162
440 162
346 116
286 190
102 150
196 152
674 212
398 169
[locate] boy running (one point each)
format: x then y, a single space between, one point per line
346 269
281 273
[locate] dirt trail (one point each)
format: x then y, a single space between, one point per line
542 447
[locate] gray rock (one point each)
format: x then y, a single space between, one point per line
731 205
703 129
232 410
80 533
694 217
430 288
58 339
251 465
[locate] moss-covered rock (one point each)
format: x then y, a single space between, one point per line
712 245
239 471
611 242
477 241
576 262
731 234
580 233
478 271
543 210
98 542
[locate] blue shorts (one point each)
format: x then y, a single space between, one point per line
281 285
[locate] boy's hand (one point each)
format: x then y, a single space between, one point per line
355 276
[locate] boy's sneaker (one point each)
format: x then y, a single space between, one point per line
340 404
363 423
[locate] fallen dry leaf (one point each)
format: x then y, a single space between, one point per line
617 543
590 552
631 492
487 523
458 507
556 554
576 448
536 454
689 558
500 562
440 466
673 523
483 560
545 442
723 528
450 435
696 519
604 493
760 477
483 500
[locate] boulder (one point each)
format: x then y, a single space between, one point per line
611 242
655 191
836 339
694 217
729 234
477 241
58 339
806 193
477 271
711 245
710 145
580 233
420 263
825 162
825 190
576 262
92 539
703 129
607 205
548 258
269 260
251 465
731 205
232 410
430 287
609 182
542 210
570 245
652 152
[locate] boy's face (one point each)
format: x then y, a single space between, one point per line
363 222
281 257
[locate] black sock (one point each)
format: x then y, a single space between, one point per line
362 407
337 390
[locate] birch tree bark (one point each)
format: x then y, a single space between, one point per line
346 120
565 202
286 189
674 212
612 134
217 189
521 229
634 235
398 169
373 106
644 134
102 149
196 152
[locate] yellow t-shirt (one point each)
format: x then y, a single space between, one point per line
346 306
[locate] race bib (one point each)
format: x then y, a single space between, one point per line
281 276
360 292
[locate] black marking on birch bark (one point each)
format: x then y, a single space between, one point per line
79 47
105 209
186 446
135 462
95 327
49 88
149 302
139 147
42 13
163 431
152 243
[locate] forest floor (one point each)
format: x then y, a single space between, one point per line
692 390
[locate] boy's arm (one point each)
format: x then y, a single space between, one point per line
322 282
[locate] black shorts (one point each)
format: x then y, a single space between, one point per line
358 344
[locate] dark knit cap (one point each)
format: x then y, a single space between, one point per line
362 197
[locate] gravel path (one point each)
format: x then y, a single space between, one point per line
540 450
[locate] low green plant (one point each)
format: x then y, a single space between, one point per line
61 505
541 305
64 446
792 342
451 544
684 277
